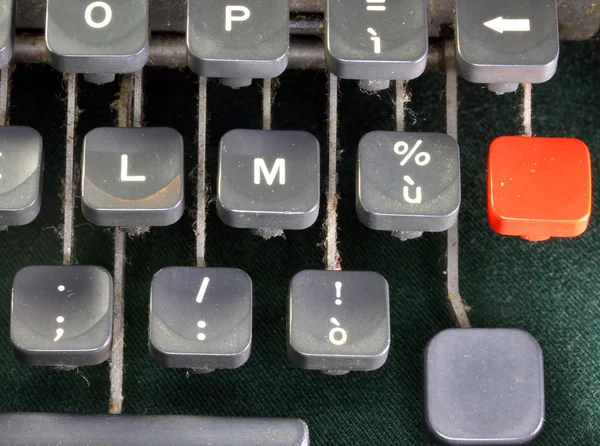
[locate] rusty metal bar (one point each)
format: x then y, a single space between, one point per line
168 50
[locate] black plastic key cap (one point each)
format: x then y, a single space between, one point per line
201 318
29 429
241 40
103 37
376 39
133 177
20 175
268 179
507 42
338 321
408 181
62 315
484 386
7 11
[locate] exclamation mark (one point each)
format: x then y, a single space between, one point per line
338 293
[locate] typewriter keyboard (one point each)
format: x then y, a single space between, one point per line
237 223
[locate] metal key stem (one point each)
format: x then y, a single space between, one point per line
457 305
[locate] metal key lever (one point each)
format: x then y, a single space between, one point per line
20 429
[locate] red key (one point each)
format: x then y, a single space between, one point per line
539 187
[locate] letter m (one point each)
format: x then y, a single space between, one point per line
261 167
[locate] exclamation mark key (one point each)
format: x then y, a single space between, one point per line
338 321
201 318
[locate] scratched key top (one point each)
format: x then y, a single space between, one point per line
201 318
61 315
133 177
20 175
338 321
408 181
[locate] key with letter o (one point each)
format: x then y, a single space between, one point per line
97 38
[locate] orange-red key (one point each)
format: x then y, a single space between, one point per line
539 187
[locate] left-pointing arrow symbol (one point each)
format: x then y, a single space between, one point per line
505 25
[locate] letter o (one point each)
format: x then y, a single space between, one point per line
107 11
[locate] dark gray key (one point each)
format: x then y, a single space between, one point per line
20 175
376 39
30 429
133 177
484 386
507 42
408 181
201 318
238 41
103 37
62 315
268 179
338 321
7 8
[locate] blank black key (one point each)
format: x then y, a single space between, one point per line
97 37
239 41
376 39
7 8
484 386
28 429
507 42
268 179
338 321
20 175
62 315
133 177
201 318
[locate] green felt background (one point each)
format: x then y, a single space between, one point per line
550 289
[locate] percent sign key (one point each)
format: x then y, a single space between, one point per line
408 181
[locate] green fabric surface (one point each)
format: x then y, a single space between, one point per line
550 289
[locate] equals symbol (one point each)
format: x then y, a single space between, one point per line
376 7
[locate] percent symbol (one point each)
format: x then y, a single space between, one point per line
402 148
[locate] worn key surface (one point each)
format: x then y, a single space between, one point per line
408 181
376 39
269 179
21 429
201 318
245 39
20 175
133 177
338 321
61 315
484 386
510 41
85 36
6 31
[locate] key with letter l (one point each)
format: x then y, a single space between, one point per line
97 38
504 43
238 41
132 177
376 39
268 179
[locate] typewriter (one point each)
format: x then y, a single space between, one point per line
237 222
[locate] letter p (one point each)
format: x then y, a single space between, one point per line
230 17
